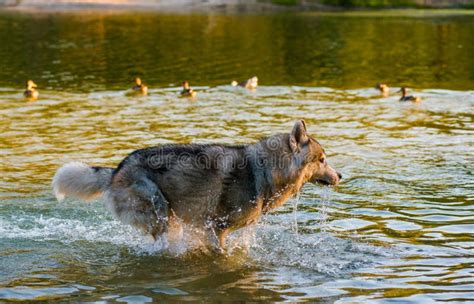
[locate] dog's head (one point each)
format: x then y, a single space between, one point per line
312 157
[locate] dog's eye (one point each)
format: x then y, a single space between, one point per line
322 159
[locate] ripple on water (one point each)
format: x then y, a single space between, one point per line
35 293
399 227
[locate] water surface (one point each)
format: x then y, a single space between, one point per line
398 228
101 51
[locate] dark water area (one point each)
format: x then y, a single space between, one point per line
102 51
399 228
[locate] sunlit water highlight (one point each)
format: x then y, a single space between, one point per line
399 226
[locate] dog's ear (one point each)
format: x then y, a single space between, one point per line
298 136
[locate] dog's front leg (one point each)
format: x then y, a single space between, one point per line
215 239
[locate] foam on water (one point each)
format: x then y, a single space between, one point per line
274 241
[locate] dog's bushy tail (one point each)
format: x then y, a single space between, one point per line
78 180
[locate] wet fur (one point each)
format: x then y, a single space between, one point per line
208 188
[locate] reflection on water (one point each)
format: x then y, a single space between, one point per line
399 227
109 50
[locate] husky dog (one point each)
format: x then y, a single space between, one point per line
216 188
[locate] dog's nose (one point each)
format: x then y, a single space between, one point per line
339 175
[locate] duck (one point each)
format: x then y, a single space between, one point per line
187 91
408 98
383 88
140 87
31 91
250 83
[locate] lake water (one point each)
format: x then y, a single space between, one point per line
399 227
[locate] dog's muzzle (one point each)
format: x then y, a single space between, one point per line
330 177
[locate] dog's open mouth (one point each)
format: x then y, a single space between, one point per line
322 182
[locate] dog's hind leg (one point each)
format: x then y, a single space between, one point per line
149 191
140 204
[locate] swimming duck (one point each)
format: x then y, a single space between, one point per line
140 87
251 83
187 91
31 91
408 98
383 88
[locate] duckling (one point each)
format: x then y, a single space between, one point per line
140 87
250 84
383 88
187 91
31 91
408 98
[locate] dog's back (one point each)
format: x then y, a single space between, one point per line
191 178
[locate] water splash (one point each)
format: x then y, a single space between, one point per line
295 213
267 243
322 252
323 219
